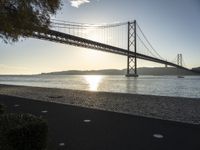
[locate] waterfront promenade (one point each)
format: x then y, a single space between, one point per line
178 109
75 127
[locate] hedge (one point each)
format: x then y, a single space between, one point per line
22 132
2 109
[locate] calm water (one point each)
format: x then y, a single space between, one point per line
154 85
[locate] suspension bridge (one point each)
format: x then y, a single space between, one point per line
122 38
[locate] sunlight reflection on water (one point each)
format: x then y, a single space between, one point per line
150 85
93 81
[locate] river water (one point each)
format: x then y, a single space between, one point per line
189 86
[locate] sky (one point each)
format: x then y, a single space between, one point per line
172 27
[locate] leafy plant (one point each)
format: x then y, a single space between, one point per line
2 109
22 132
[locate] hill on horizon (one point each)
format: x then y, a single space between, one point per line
141 71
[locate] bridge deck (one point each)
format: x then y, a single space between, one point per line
64 38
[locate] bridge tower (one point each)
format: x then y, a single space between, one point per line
179 63
180 60
132 46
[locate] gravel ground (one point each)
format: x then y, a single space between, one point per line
168 108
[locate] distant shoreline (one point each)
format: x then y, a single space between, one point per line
161 107
14 75
155 71
151 71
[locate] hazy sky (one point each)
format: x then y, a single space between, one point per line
172 26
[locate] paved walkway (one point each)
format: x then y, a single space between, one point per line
77 128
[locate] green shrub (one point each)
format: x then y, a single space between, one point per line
2 109
22 132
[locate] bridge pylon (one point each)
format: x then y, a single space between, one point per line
180 60
132 46
179 63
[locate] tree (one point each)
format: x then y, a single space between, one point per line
20 18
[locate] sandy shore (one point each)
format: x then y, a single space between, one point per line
168 108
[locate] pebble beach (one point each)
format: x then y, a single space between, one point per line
186 110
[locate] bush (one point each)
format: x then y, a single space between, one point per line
2 109
22 132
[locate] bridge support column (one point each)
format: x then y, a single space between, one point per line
180 60
179 63
132 46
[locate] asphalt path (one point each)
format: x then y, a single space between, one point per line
78 128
